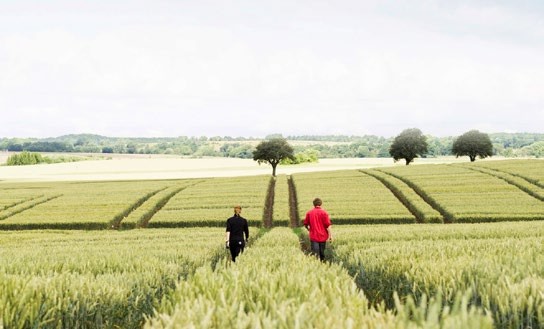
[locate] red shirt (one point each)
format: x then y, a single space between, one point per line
319 221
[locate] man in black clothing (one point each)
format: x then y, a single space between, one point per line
236 228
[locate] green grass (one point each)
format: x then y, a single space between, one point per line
465 195
500 263
90 279
422 210
274 285
486 192
378 276
350 197
280 215
530 169
210 202
81 205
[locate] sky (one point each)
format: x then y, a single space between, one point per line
250 68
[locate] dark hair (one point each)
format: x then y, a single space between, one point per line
318 202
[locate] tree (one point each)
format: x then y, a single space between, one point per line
473 143
408 145
537 149
272 152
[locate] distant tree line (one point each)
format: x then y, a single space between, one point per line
305 147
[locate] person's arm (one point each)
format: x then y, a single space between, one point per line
246 230
227 235
328 224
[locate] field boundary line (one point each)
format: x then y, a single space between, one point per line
521 183
29 204
448 217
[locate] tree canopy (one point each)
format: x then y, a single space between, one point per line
473 143
273 152
408 145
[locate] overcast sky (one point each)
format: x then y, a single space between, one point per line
160 68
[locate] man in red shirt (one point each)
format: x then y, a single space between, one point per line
318 223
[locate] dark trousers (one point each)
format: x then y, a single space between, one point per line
236 247
318 249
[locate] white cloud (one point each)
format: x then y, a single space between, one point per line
187 69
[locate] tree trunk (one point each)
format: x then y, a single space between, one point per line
274 169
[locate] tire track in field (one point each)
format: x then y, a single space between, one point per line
447 216
293 203
26 205
423 211
530 180
115 223
145 208
521 183
398 194
16 203
163 200
268 211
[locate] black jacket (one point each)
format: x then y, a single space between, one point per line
237 226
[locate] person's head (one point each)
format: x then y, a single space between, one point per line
237 209
317 202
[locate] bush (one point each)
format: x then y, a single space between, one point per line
25 158
30 158
308 156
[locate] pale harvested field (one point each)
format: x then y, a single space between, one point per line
137 167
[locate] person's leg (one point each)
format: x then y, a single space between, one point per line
322 250
314 247
234 251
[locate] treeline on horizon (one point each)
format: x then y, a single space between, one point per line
326 146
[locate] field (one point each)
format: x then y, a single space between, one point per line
444 245
140 166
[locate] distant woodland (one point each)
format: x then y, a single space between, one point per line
330 146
